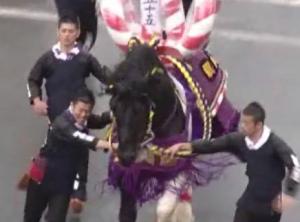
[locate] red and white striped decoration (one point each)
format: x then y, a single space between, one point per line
185 35
221 93
174 19
199 25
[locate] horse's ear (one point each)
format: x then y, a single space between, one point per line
133 42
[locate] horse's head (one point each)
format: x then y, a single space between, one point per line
131 111
132 87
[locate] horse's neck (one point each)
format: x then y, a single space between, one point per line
169 117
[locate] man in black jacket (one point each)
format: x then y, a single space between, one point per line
85 10
53 171
266 156
64 69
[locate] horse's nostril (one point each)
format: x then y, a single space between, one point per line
127 158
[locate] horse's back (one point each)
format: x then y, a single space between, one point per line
210 80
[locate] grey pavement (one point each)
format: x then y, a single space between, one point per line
267 71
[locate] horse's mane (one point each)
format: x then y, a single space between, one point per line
137 64
142 84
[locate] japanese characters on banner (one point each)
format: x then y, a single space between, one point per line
150 16
185 35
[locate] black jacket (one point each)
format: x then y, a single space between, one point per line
65 149
62 79
265 168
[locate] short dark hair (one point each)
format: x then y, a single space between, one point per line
84 95
255 110
69 17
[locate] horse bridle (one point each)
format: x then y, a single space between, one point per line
149 133
149 136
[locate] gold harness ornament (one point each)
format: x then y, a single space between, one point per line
154 151
201 102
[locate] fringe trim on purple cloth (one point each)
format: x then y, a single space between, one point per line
146 182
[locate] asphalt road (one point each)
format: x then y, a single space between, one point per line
258 43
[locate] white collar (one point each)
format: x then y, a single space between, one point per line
56 49
262 140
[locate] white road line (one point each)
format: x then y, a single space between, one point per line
289 3
248 36
231 34
18 13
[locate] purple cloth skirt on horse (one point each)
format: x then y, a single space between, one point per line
149 178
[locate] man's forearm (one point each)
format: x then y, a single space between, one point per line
221 144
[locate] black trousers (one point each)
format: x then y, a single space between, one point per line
82 172
37 199
242 215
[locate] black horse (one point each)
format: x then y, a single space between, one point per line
141 85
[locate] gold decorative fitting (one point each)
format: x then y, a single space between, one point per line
208 69
202 105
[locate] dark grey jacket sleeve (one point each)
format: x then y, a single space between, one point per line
66 131
35 78
100 72
99 121
291 161
227 143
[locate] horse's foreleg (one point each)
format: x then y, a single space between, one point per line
172 208
165 207
167 203
183 211
128 209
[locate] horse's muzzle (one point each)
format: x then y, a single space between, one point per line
127 158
